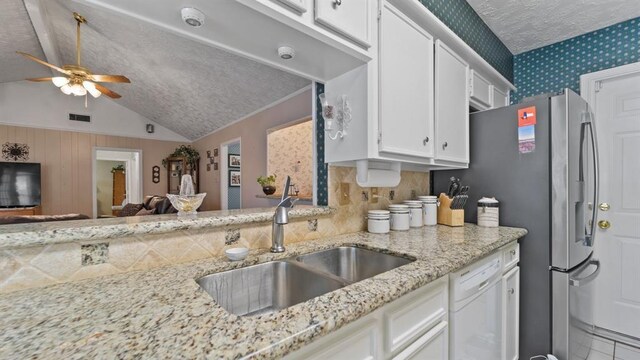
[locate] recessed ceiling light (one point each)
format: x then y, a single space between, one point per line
286 52
192 16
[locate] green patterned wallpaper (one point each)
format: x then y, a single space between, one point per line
460 17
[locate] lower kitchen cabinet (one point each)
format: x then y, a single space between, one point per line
412 327
510 314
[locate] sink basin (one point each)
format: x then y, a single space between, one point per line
352 263
267 287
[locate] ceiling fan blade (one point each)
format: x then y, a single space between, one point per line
107 92
31 57
110 78
40 79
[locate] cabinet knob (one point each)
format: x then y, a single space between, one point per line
513 252
425 141
337 2
444 146
511 291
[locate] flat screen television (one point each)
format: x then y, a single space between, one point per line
19 184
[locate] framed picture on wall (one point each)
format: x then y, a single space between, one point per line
234 160
234 178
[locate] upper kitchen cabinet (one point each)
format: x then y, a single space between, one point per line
406 86
451 105
409 106
347 17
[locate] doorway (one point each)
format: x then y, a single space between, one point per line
117 179
231 175
614 95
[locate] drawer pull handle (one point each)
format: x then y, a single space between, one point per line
425 141
337 2
444 146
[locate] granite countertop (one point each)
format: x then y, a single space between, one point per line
163 313
47 233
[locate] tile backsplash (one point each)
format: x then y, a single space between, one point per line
45 265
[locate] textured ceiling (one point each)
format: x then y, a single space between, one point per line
523 25
191 88
17 34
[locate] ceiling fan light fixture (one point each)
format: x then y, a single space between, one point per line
60 81
78 90
94 92
66 89
91 88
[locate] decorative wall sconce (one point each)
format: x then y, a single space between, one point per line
336 117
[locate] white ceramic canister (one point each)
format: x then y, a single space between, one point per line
429 210
488 212
378 221
415 209
399 217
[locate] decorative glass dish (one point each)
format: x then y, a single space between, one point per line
186 204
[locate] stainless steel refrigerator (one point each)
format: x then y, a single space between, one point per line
546 179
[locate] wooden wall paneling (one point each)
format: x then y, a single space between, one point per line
51 198
66 173
85 175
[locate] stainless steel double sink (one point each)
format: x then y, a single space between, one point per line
275 285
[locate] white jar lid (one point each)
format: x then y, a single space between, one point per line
489 202
399 208
378 214
413 203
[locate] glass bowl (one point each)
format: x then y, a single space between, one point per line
186 204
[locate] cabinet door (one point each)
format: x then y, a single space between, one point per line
406 86
300 6
348 17
510 314
480 91
434 345
500 99
451 105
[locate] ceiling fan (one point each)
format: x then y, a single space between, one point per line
79 80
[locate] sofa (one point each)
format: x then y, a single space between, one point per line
25 219
151 205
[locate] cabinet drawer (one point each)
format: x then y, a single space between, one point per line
480 90
511 256
357 341
348 17
434 345
407 319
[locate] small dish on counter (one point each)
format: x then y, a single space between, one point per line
237 254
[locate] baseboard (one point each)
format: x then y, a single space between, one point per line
618 337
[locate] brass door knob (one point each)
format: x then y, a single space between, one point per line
604 224
604 206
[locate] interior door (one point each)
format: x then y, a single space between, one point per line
617 108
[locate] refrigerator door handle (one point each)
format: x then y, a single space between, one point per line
577 282
588 123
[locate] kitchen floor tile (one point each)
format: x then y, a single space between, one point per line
596 355
626 352
603 345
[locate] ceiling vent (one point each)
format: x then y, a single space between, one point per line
78 117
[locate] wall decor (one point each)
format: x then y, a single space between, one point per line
155 174
208 167
209 154
15 151
234 178
234 160
215 166
215 152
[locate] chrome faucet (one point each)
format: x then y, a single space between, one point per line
281 218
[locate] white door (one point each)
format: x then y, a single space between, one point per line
617 108
406 86
451 105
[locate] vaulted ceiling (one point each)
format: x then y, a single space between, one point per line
187 86
523 25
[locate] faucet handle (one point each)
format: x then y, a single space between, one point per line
288 202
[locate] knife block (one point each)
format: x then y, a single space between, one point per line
448 216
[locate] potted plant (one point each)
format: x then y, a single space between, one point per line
192 156
267 183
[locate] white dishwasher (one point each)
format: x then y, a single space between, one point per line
475 311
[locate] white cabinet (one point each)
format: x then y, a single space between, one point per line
432 345
406 86
500 98
412 327
451 105
510 314
480 91
347 17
